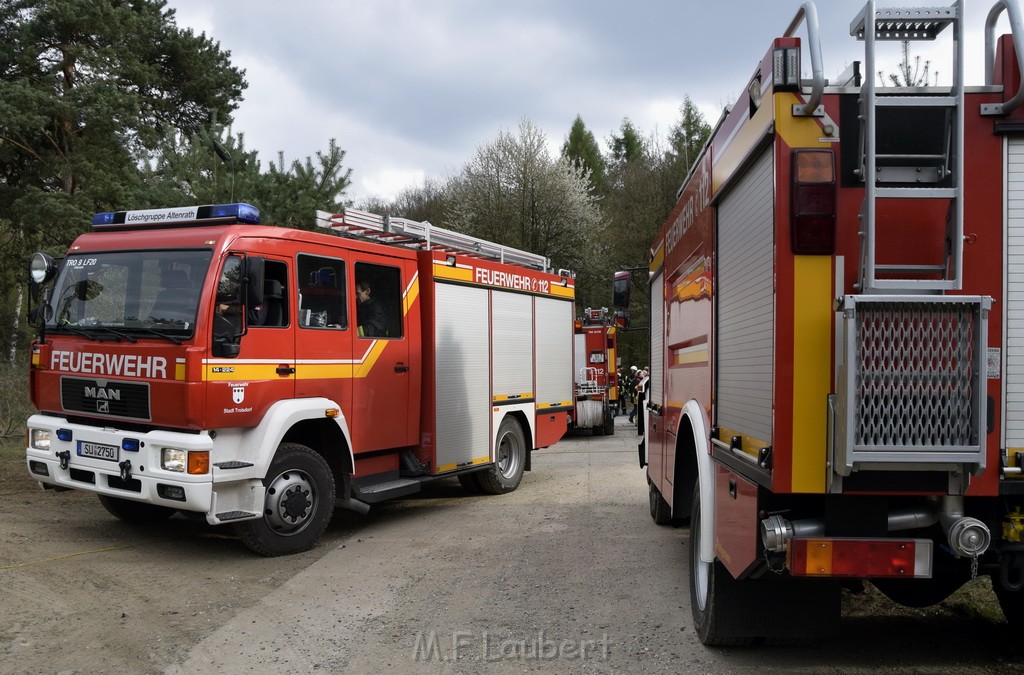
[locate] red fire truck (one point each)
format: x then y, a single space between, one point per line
837 345
192 360
597 381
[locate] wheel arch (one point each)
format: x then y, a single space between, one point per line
306 422
693 462
524 425
328 439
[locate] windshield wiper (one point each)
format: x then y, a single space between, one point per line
76 331
119 334
159 334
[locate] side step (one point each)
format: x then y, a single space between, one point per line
379 492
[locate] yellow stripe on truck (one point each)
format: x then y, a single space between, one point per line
812 368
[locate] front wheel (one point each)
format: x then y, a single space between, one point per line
509 460
298 505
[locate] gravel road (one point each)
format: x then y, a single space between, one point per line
567 574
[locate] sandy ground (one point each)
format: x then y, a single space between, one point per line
567 574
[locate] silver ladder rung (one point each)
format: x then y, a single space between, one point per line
915 193
905 23
912 269
915 158
915 102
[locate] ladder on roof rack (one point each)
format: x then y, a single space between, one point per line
906 172
423 236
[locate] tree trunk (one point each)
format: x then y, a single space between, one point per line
13 350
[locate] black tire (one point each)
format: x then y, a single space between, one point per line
510 460
1011 602
135 512
661 513
609 423
298 506
707 581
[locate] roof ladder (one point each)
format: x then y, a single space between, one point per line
897 164
424 236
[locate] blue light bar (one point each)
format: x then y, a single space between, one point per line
130 444
211 214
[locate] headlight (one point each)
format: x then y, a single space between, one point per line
39 439
173 459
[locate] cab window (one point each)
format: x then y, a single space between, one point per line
322 292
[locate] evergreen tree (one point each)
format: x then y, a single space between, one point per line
581 149
686 138
292 194
627 146
87 89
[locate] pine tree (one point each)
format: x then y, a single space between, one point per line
581 149
87 90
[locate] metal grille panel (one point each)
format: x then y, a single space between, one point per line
912 383
915 375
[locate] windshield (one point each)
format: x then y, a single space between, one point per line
135 292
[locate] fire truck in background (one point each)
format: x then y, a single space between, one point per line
191 360
837 336
597 380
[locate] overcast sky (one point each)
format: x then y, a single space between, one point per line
410 88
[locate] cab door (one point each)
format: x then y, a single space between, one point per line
387 372
325 363
242 387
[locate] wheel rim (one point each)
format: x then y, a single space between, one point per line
700 570
290 503
509 454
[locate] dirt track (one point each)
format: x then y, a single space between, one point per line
568 573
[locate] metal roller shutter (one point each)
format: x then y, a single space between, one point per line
746 303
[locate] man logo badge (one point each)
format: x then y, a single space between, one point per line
238 395
103 407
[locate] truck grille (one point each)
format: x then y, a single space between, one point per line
105 398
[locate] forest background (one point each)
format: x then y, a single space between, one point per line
108 105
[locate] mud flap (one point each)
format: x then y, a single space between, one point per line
775 607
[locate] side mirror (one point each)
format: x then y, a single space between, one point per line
621 284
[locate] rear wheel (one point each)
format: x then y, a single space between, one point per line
298 505
509 460
661 513
707 583
609 422
1011 602
135 512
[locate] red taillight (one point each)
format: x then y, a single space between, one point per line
861 558
813 205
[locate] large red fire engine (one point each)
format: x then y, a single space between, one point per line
597 381
191 360
837 346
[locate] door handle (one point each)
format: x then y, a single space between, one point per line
285 369
401 368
